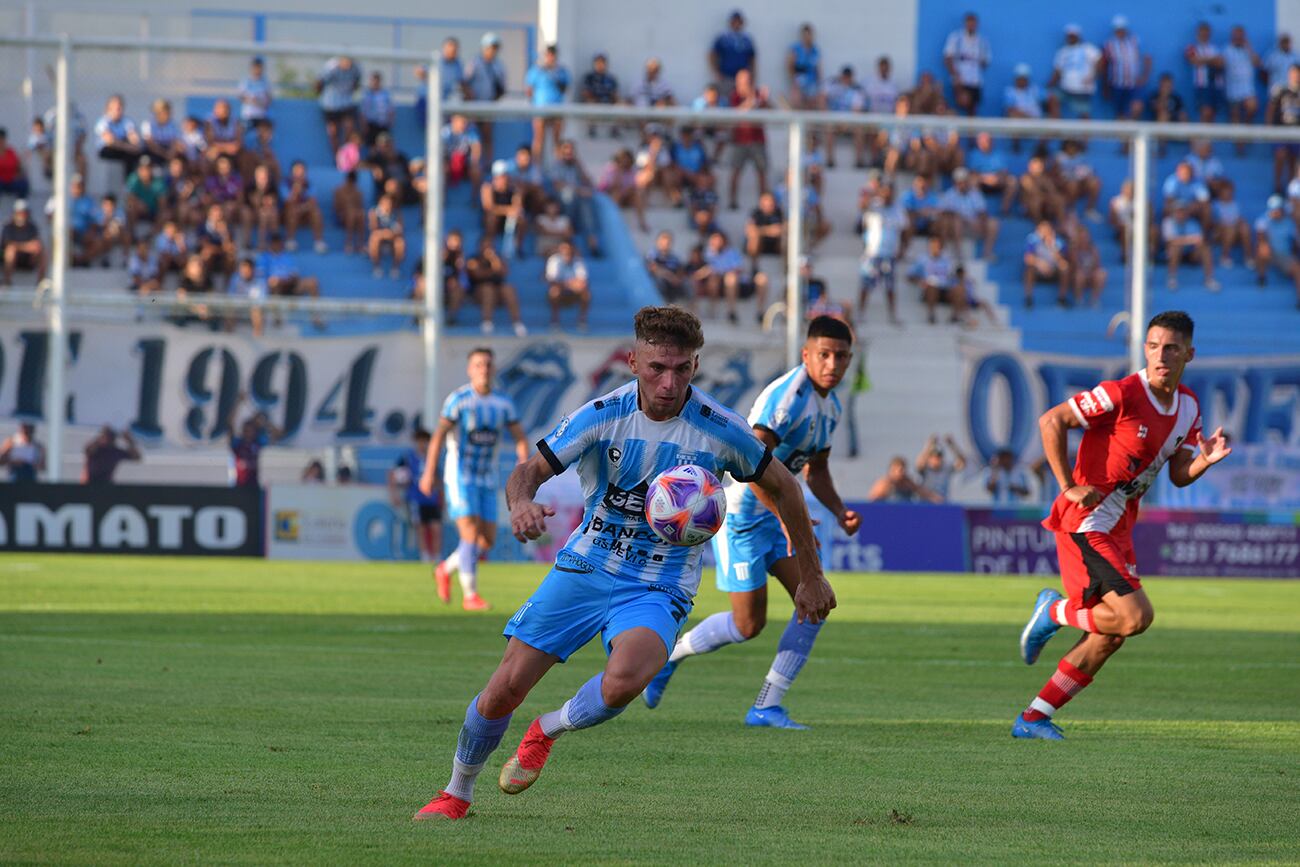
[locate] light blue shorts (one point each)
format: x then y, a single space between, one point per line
744 556
575 601
471 501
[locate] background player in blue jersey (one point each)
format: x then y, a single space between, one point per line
795 416
477 414
615 577
424 511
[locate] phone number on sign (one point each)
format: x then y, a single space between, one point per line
1233 553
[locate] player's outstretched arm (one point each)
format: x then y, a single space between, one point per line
818 475
1185 469
814 598
430 474
528 518
1054 425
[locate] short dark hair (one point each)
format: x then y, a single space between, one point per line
669 326
483 349
420 433
830 326
1174 320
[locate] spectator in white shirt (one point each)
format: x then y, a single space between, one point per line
337 86
1022 98
1125 70
1278 61
966 55
1074 72
1239 64
566 284
1184 238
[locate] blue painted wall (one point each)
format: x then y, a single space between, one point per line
1029 31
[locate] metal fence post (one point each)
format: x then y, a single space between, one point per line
794 247
1138 249
56 359
433 287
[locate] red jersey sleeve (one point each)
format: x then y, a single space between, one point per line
1193 440
1099 407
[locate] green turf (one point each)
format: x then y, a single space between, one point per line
157 710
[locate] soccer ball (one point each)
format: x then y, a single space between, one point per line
685 505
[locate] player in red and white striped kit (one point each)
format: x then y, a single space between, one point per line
1132 428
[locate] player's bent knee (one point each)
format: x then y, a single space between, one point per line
750 627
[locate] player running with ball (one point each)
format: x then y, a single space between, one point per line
795 416
474 415
1132 427
615 576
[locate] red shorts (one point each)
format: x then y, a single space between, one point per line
1094 564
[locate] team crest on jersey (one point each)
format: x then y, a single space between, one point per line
614 455
1142 431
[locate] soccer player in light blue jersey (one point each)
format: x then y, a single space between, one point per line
796 417
615 577
473 418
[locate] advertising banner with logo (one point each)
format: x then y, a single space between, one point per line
131 519
340 522
1218 544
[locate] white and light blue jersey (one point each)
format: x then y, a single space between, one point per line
480 420
802 421
618 450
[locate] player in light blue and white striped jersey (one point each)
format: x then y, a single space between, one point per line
796 416
615 577
473 419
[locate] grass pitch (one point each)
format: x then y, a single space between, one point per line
163 710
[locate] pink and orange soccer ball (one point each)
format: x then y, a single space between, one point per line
685 505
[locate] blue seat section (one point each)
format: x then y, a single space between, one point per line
620 284
1241 319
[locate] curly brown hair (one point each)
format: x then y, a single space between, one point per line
669 326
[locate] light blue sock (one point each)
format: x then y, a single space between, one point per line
467 557
791 653
587 708
479 736
714 631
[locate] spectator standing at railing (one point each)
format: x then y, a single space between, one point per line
844 95
732 51
1278 62
23 454
1239 64
451 80
1125 70
748 140
932 467
1207 74
546 84
1074 72
599 88
804 66
337 86
1005 480
116 134
485 81
966 55
13 180
1285 111
254 94
103 454
377 110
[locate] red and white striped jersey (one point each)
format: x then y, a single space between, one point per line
1128 438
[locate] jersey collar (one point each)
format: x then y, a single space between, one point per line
1155 401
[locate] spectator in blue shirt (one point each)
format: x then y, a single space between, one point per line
279 269
254 95
485 81
377 109
732 51
689 155
116 134
1182 188
1275 244
934 275
599 88
1045 260
451 80
722 277
337 86
546 84
668 271
988 169
804 65
922 207
161 135
82 212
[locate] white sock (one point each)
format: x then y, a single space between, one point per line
462 779
773 689
452 563
553 722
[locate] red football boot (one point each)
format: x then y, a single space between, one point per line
442 807
442 575
525 766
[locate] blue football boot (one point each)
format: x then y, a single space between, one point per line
654 690
1044 729
772 717
1040 627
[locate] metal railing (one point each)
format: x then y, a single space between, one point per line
797 123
